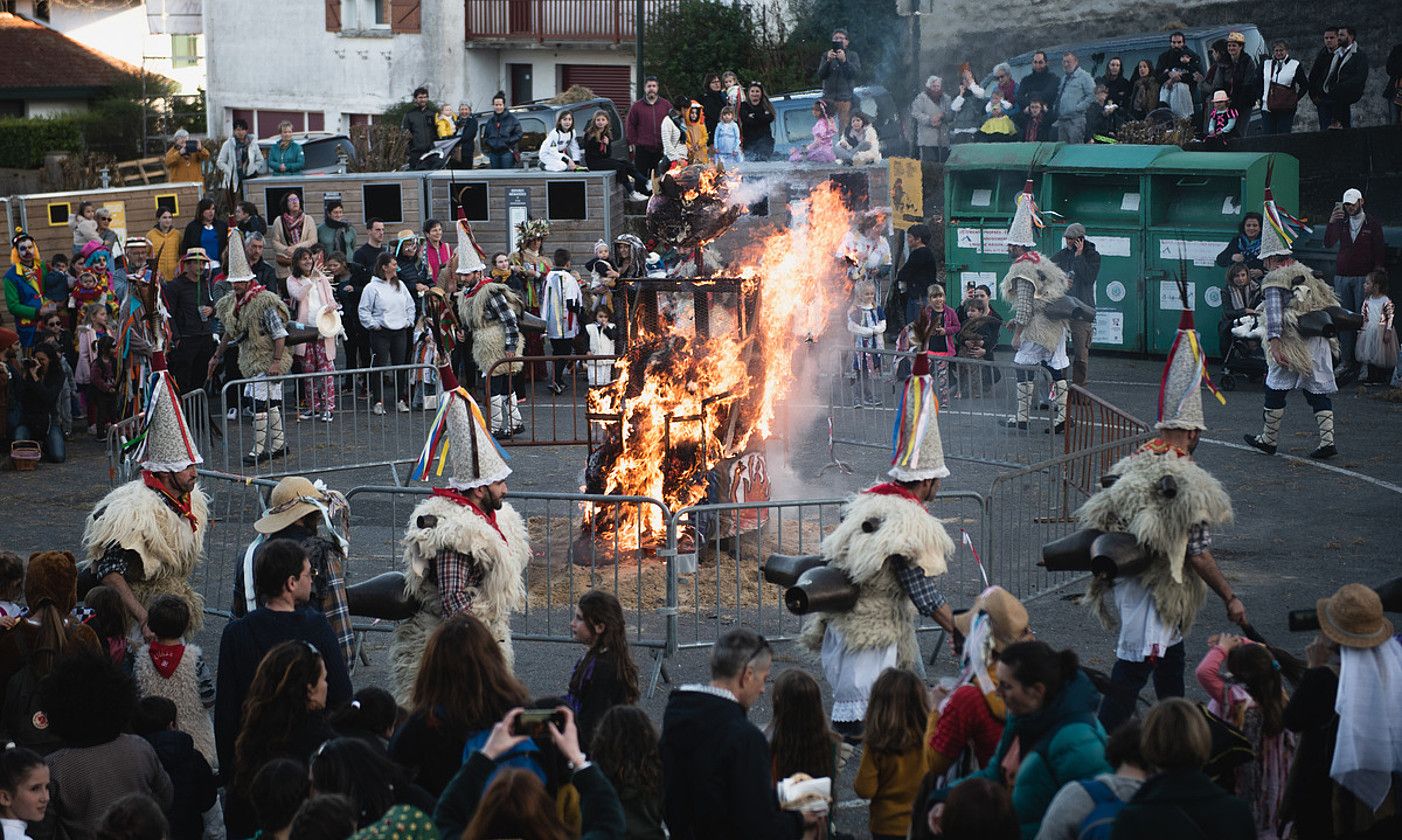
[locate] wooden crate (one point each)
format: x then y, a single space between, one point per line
45 215
395 197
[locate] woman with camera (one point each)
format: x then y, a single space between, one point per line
39 388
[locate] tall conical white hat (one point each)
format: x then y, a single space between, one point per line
469 254
236 264
917 451
476 458
1184 375
1272 244
1023 230
168 444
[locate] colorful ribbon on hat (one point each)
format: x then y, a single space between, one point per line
160 381
1026 197
919 399
1286 226
436 446
1201 377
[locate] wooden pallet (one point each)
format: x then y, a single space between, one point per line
149 170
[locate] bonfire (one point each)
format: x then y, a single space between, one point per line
701 385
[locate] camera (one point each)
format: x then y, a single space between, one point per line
533 722
192 146
837 45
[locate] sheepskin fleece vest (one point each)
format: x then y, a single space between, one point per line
182 689
488 334
135 517
503 588
1305 294
1134 506
256 350
1048 283
877 530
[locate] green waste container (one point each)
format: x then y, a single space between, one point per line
1104 187
1196 202
981 185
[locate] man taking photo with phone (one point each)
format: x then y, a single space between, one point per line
838 72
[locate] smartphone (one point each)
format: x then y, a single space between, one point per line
532 722
192 146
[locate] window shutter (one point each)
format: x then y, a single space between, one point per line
404 15
333 15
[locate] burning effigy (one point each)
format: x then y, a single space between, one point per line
710 359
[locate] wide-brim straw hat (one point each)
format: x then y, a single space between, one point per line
289 502
1007 616
1353 617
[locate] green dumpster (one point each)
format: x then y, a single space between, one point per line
1103 187
981 185
1196 202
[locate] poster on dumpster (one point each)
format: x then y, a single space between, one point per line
907 192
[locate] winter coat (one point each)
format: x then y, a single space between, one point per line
1145 97
862 151
643 125
1119 87
1041 84
1173 59
1357 256
560 151
182 167
165 250
839 77
299 288
1062 742
1352 76
227 162
967 109
1286 73
193 237
336 238
383 307
922 108
192 780
601 816
1082 268
285 242
290 157
712 101
420 123
673 142
1076 92
501 133
601 343
755 125
1181 804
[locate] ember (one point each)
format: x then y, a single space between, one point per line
685 400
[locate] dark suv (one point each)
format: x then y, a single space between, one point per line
538 119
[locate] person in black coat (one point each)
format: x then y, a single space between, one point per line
914 277
605 676
1346 79
756 116
204 231
712 99
715 763
196 789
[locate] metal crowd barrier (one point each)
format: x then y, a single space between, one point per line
977 398
549 420
1030 507
1094 424
235 503
196 407
355 438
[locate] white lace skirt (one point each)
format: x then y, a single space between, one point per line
851 673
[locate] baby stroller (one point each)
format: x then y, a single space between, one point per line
1245 357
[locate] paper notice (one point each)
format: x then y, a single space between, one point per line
1197 251
1112 246
1230 206
987 241
978 278
1169 301
1109 328
981 198
1130 202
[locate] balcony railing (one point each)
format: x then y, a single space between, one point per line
600 21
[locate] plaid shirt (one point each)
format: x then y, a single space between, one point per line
1199 539
923 594
329 564
1275 300
499 309
459 579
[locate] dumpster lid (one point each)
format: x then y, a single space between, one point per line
1122 158
1001 155
1233 163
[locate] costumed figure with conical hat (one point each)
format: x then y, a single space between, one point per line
1032 283
143 328
256 319
1168 504
146 537
531 265
24 286
466 548
1298 355
890 549
493 314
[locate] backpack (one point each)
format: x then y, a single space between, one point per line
24 719
1098 824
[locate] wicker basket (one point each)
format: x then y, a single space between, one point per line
25 455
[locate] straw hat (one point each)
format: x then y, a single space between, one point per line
194 255
475 457
167 445
1180 395
1007 617
292 499
1353 617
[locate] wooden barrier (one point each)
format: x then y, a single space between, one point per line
582 207
134 210
396 198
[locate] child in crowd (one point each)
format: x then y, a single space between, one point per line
1221 120
372 716
800 739
605 676
893 757
446 123
562 301
11 584
728 138
93 326
1253 700
196 790
824 130
24 791
731 82
598 267
625 748
102 393
942 323
112 624
169 668
279 789
87 291
867 323
602 335
999 125
1377 341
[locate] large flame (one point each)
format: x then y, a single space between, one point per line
681 403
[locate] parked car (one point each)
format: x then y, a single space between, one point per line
538 119
319 148
1130 49
793 126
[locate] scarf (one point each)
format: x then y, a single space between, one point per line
1248 247
1369 746
437 256
455 496
290 225
166 658
891 488
180 503
254 290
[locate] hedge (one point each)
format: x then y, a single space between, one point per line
25 141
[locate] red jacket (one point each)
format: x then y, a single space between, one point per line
643 125
1357 256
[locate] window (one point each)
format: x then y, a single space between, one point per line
184 51
59 211
41 10
565 200
798 125
365 14
272 200
382 201
533 131
472 198
168 201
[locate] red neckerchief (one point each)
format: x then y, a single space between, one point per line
1159 446
891 488
166 658
1029 256
254 290
181 504
481 284
455 496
